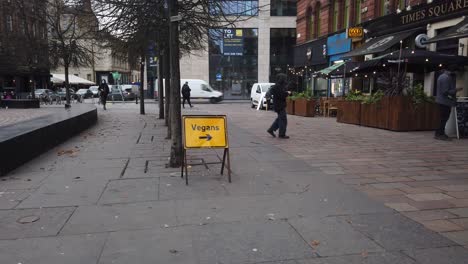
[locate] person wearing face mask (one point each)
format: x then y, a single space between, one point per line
446 98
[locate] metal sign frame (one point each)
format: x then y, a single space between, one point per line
226 161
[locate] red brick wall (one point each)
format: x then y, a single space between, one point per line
373 11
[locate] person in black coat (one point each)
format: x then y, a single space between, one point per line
279 94
103 93
186 94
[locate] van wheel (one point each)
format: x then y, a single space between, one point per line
213 100
252 104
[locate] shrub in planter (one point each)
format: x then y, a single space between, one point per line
304 104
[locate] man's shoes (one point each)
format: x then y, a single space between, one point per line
271 133
442 137
285 137
191 106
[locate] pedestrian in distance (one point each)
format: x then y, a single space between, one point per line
446 98
279 93
103 93
186 94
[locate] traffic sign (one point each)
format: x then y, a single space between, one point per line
205 132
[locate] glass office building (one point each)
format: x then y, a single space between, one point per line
253 50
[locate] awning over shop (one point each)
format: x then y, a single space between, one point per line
379 44
72 79
333 68
460 30
410 61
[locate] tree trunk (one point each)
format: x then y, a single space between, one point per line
67 87
161 84
167 86
176 120
142 83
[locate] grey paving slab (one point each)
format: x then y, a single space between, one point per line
26 180
10 199
445 255
200 187
130 190
170 245
53 250
332 236
461 237
48 222
396 232
59 191
101 163
104 218
249 243
363 258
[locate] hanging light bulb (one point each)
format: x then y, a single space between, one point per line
427 60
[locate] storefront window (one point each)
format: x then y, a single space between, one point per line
282 42
235 7
233 61
283 7
357 18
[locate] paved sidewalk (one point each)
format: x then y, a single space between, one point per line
106 197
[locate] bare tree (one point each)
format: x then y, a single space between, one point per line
73 32
136 22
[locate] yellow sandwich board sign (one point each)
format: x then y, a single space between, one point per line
205 132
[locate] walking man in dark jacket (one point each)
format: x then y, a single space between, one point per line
446 98
186 94
279 94
103 93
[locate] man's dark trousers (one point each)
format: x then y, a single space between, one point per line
184 98
280 123
444 116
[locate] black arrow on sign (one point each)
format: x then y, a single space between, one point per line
207 137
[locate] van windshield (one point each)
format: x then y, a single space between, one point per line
206 88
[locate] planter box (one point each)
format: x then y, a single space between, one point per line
304 107
349 112
396 113
289 106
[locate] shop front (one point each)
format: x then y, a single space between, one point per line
337 46
309 58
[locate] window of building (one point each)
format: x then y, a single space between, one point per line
403 4
311 32
9 23
347 10
358 12
385 7
234 7
233 61
318 22
283 8
282 42
88 76
336 15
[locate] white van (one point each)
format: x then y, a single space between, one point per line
200 89
258 92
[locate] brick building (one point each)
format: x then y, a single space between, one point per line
322 41
24 59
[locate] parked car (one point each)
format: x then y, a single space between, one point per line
200 89
94 90
258 92
130 91
63 94
85 93
42 92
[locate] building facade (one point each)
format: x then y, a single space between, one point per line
255 50
24 61
389 25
